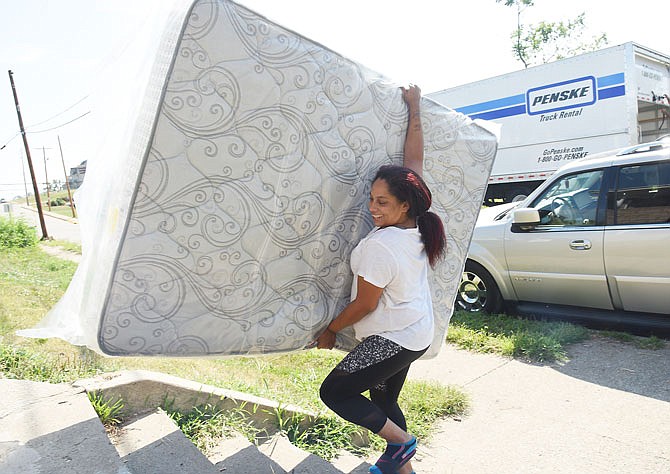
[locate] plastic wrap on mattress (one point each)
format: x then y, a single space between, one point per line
222 220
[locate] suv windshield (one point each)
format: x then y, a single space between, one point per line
571 200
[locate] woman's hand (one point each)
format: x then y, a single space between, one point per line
326 340
367 299
411 95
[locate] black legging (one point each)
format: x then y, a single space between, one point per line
378 365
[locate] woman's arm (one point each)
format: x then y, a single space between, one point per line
413 149
367 298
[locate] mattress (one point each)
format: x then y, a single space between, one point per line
240 189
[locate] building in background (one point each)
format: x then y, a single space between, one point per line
77 175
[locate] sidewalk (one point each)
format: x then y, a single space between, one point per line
606 410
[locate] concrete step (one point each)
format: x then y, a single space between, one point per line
52 428
152 443
237 455
277 455
296 461
143 391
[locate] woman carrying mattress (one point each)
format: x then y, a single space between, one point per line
390 309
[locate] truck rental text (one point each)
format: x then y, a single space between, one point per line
566 110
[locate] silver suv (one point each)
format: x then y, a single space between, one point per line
593 240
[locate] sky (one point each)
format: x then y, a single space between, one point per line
60 52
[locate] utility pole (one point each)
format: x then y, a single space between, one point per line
46 178
67 182
38 201
25 185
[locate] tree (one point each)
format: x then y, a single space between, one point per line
57 185
518 46
549 41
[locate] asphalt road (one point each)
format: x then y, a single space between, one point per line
58 227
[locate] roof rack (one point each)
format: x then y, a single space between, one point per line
658 144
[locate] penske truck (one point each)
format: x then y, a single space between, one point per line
566 110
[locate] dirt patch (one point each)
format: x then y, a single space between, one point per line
61 253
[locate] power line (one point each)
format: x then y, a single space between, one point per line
61 125
45 130
49 119
10 140
59 113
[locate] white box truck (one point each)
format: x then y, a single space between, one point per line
566 110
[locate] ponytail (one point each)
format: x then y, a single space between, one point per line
433 236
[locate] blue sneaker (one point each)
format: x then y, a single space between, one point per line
395 456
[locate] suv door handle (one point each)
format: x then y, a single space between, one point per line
580 244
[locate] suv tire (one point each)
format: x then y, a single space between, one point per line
477 291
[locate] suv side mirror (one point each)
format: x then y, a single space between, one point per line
525 219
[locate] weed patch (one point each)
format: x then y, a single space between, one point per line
16 234
109 411
326 437
651 342
206 425
537 341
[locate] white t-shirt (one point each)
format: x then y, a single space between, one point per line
395 259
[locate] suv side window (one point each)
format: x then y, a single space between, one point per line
571 201
643 194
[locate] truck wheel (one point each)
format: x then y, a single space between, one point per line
517 194
478 291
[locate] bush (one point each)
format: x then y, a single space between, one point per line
16 234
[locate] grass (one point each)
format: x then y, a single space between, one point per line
535 341
529 340
30 284
65 210
428 401
109 411
31 363
651 342
326 437
206 425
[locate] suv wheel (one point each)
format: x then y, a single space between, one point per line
478 291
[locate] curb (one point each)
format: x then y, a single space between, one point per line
143 391
71 220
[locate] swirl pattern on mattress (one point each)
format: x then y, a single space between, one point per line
251 191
